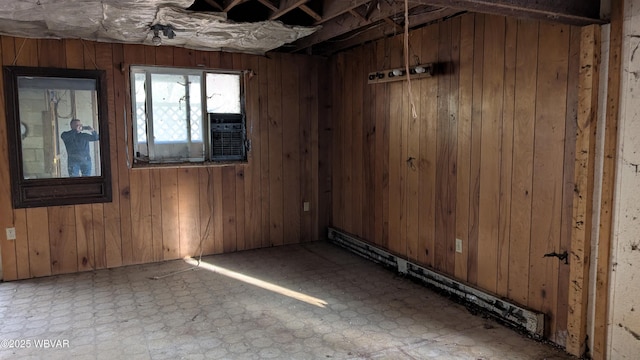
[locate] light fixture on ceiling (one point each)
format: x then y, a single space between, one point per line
167 30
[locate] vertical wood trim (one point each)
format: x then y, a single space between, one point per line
579 258
112 256
568 191
120 89
608 181
7 248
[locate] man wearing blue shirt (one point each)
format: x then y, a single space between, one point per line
77 141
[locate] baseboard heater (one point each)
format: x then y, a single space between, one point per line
524 319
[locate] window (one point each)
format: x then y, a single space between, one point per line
58 136
187 115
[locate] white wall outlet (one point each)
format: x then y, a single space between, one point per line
306 206
11 233
459 245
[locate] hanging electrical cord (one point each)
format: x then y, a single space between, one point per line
406 57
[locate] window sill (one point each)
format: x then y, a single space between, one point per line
180 165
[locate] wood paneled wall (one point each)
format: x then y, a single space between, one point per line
172 212
488 160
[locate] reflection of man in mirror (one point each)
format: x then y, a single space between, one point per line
77 141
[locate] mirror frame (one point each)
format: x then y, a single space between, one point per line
26 193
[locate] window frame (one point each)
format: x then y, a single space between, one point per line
208 159
28 193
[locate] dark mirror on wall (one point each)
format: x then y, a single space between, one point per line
58 136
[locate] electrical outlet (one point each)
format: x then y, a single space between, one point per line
11 233
305 205
459 245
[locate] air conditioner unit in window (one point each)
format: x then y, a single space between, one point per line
227 137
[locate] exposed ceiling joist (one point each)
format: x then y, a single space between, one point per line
214 4
268 4
357 15
335 8
574 12
394 24
228 5
310 12
347 24
383 29
372 6
286 6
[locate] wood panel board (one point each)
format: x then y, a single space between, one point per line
291 172
522 171
546 207
413 155
276 187
464 144
506 156
189 211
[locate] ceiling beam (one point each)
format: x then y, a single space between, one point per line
357 15
286 6
310 12
372 6
334 8
231 4
375 33
346 24
214 4
268 4
573 12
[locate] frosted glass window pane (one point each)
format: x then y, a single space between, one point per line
169 108
223 93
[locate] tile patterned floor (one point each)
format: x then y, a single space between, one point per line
312 301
